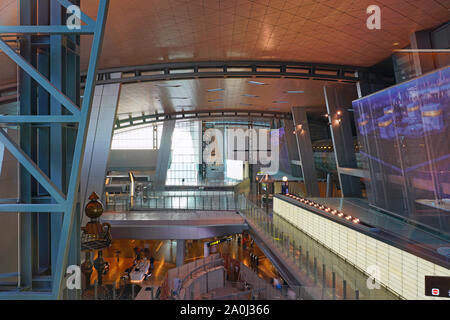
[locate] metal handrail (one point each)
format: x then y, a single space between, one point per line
189 276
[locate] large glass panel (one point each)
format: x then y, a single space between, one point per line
404 136
140 138
185 154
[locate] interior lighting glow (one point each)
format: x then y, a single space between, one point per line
256 82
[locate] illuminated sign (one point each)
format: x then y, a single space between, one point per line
214 243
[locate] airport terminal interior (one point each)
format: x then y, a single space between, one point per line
225 149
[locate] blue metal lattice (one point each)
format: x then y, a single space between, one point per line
63 202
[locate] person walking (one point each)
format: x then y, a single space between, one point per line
152 260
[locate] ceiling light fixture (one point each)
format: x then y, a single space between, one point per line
167 85
256 82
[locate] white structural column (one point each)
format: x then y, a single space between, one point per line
98 141
305 151
162 164
181 248
338 98
291 143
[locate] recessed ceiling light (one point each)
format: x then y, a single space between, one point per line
395 43
250 95
295 91
214 90
168 85
213 100
256 82
280 101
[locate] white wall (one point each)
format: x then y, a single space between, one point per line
132 160
401 272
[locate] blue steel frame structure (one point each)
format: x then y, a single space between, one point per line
53 132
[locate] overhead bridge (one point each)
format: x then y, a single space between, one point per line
174 224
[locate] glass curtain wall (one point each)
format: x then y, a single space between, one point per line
185 154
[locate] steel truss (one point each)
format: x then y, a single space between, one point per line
200 114
240 69
50 155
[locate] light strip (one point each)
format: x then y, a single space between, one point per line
325 209
256 82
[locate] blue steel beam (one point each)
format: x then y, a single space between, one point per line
39 78
36 30
24 295
38 119
31 115
22 207
79 146
31 167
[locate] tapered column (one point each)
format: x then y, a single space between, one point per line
305 152
291 143
338 99
423 62
181 247
165 147
98 141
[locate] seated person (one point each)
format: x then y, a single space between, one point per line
140 269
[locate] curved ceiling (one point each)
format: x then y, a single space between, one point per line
230 93
325 31
142 32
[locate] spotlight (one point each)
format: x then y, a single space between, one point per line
340 214
334 211
356 220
